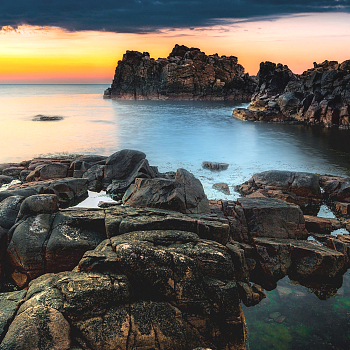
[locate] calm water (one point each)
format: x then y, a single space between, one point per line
173 134
183 134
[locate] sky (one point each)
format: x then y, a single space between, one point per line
67 41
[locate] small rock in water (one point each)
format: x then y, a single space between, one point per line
214 166
222 187
46 118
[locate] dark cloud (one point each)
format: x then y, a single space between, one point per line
139 16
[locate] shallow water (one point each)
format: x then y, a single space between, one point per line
183 134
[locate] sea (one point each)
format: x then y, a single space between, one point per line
183 134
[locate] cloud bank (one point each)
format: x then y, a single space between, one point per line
143 16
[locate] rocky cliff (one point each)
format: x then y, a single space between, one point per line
320 95
187 73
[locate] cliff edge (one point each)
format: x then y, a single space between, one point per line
187 73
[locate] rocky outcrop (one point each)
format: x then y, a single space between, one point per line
187 73
320 95
131 276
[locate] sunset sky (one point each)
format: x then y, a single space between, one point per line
82 41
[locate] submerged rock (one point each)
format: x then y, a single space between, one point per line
46 118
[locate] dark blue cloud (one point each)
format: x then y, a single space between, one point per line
138 16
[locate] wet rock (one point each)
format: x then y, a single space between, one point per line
121 164
46 118
300 183
143 170
251 295
9 209
267 217
4 179
297 258
185 194
53 242
214 165
222 187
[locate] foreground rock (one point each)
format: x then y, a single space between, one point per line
184 194
299 188
187 73
320 95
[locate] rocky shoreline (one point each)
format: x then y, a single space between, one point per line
169 268
319 96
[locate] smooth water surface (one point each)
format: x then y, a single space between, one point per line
173 134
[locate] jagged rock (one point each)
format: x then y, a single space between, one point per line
143 170
215 165
185 194
320 95
267 217
342 208
337 188
187 73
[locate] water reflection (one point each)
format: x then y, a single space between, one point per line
292 317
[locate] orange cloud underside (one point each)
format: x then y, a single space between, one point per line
52 55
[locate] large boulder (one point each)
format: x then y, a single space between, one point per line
79 166
39 204
121 164
273 218
143 170
184 194
52 242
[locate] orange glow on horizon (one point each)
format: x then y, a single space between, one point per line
53 55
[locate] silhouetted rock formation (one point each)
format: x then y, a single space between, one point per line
187 73
320 95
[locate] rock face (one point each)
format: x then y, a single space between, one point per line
320 95
187 73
